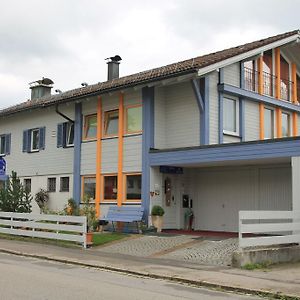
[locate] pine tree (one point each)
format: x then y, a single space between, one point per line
14 197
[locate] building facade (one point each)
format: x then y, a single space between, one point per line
217 132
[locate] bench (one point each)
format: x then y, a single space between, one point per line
126 214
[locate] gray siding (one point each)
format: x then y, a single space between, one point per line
251 121
132 154
132 97
88 158
230 139
232 74
109 156
52 160
213 109
182 125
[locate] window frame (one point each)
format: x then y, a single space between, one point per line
125 187
61 189
273 122
126 119
48 185
237 117
289 125
69 126
105 123
103 188
86 128
25 184
38 139
3 136
82 185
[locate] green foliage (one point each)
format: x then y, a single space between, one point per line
157 211
253 266
88 210
14 197
42 198
103 238
72 209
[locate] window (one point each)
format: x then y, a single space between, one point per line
134 187
64 184
111 123
89 187
284 79
110 187
5 144
34 139
90 126
286 124
27 184
65 135
134 119
230 116
52 184
267 73
250 75
268 123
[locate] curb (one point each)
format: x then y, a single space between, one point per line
176 279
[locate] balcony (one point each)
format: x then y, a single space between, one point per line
269 85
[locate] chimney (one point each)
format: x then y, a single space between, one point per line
41 88
113 67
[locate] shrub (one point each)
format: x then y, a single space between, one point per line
157 211
72 208
41 198
88 210
14 197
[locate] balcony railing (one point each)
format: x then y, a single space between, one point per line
269 84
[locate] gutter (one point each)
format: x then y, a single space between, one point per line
63 115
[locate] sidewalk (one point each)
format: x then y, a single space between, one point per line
283 280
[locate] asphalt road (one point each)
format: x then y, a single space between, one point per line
26 278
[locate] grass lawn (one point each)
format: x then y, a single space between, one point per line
107 237
98 239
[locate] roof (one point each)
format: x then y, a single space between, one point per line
176 69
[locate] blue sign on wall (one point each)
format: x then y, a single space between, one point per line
170 170
2 166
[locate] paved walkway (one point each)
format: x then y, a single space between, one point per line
283 279
178 247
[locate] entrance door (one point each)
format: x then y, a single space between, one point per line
171 202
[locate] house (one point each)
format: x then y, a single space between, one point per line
217 132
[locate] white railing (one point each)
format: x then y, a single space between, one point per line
67 228
264 228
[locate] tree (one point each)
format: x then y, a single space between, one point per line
14 197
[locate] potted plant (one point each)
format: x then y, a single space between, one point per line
88 210
157 213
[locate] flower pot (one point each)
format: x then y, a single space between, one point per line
157 222
89 238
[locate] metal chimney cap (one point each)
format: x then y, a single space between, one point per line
115 58
43 81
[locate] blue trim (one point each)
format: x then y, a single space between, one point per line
196 88
77 153
206 111
242 104
220 96
147 143
236 91
233 152
4 177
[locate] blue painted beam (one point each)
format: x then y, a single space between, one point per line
147 143
233 152
242 104
196 88
77 153
220 98
236 91
205 115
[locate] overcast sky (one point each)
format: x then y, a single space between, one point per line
68 40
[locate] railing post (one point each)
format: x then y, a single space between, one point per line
84 233
240 230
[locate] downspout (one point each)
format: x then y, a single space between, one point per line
63 115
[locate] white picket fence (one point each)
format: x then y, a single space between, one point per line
67 228
268 228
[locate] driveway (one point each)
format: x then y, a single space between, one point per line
199 250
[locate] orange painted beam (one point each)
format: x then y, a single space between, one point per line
279 122
260 75
295 124
120 150
98 156
277 74
261 121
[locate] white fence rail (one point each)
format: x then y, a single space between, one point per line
264 228
67 228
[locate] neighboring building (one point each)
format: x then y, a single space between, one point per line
219 131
